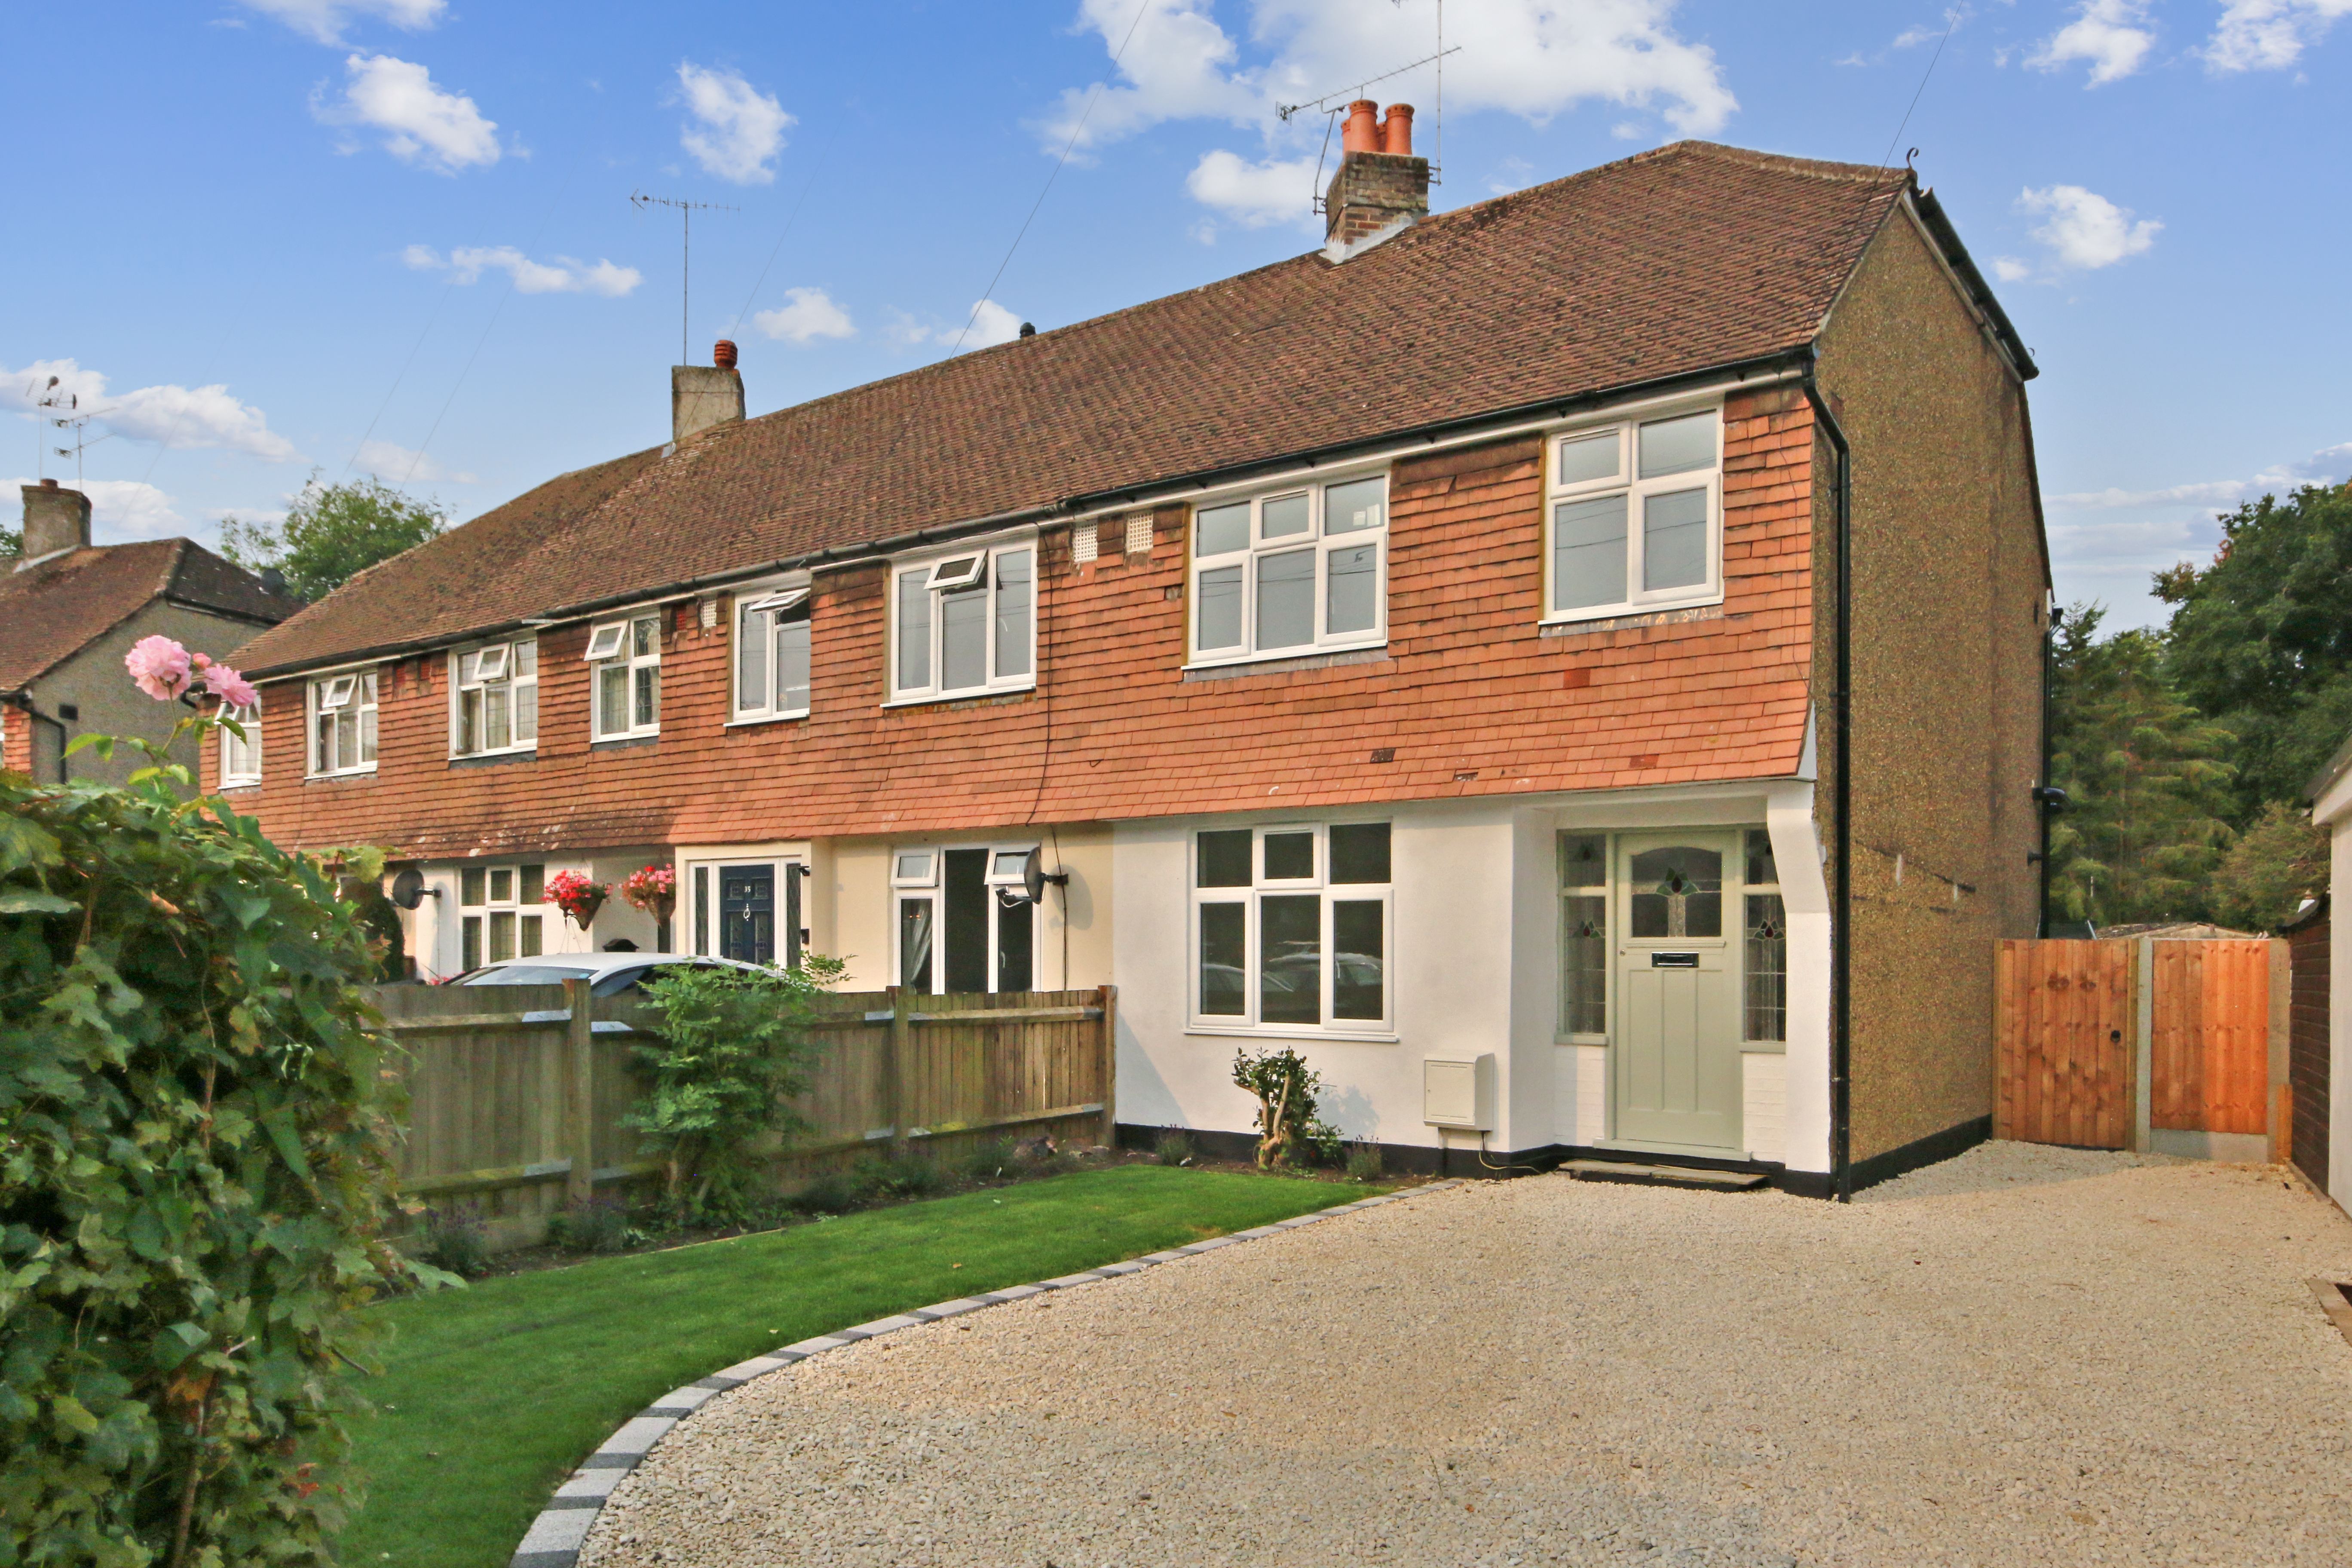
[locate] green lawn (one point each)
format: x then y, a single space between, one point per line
491 1394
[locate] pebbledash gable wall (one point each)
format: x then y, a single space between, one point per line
1472 695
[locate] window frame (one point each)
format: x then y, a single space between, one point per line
358 692
1627 482
1258 547
247 751
931 888
1247 1023
477 932
927 567
511 677
775 606
625 657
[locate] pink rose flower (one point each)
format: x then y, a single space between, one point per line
231 687
159 666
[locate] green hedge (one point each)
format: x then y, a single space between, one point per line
195 1166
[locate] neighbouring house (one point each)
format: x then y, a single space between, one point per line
69 610
2320 1039
1571 665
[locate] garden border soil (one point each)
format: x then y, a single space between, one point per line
556 1535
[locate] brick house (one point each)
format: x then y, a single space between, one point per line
1428 651
69 610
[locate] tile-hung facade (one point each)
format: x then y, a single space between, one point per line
1483 709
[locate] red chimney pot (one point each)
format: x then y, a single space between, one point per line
49 484
1362 132
1396 131
723 354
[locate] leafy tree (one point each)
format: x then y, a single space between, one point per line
195 1158
2275 864
2146 790
333 533
733 1054
2261 639
1288 1127
12 543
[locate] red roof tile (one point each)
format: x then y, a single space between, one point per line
52 610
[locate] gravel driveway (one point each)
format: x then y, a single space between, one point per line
2026 1355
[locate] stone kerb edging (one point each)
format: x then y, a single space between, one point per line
555 1537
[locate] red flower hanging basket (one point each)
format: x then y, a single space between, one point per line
652 888
576 895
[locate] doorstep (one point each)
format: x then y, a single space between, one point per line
1663 1175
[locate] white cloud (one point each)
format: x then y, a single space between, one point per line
1910 38
2009 269
2323 467
2269 34
423 125
2086 231
564 275
808 315
2107 32
397 464
121 510
324 20
990 323
182 417
1255 194
741 127
1535 59
1511 174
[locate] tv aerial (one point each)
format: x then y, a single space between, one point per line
686 211
62 410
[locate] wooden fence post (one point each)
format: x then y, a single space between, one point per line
1110 1067
579 1091
2143 1043
902 1052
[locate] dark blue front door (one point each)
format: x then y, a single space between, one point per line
747 913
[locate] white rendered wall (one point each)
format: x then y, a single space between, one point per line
434 929
1450 968
1805 895
1764 1103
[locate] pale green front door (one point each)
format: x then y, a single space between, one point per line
1677 1072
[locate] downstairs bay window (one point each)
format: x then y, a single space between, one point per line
1291 928
963 921
499 913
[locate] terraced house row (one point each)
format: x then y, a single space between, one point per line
1570 665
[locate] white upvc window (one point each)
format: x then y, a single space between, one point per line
494 698
1292 571
1634 520
627 683
240 760
771 654
964 922
1292 927
964 622
342 723
500 913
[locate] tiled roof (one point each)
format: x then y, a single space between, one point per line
1672 262
50 611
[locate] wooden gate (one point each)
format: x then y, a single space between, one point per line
2308 1053
2064 1063
2101 1043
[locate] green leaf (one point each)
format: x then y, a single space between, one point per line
29 902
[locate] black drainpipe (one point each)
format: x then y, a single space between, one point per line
1841 802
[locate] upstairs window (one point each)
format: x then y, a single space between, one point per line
628 659
1291 572
1634 522
342 723
240 760
964 624
495 699
771 655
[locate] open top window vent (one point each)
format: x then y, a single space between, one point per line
604 642
959 571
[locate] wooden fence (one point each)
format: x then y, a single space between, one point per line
516 1093
2137 1044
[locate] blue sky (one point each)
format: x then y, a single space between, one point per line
395 235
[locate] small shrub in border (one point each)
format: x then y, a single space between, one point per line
455 1241
195 1170
1174 1147
836 1191
987 1161
1364 1161
598 1225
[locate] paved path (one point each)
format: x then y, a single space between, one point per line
2023 1356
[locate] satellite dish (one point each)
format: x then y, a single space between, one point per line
1034 877
408 888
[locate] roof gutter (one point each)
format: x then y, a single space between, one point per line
1842 803
1956 256
1443 432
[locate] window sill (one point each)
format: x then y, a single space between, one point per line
1627 618
623 743
226 786
981 695
1763 1048
1305 1036
366 773
492 759
1275 663
767 719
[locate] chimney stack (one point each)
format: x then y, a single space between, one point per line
1381 185
702 396
55 519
